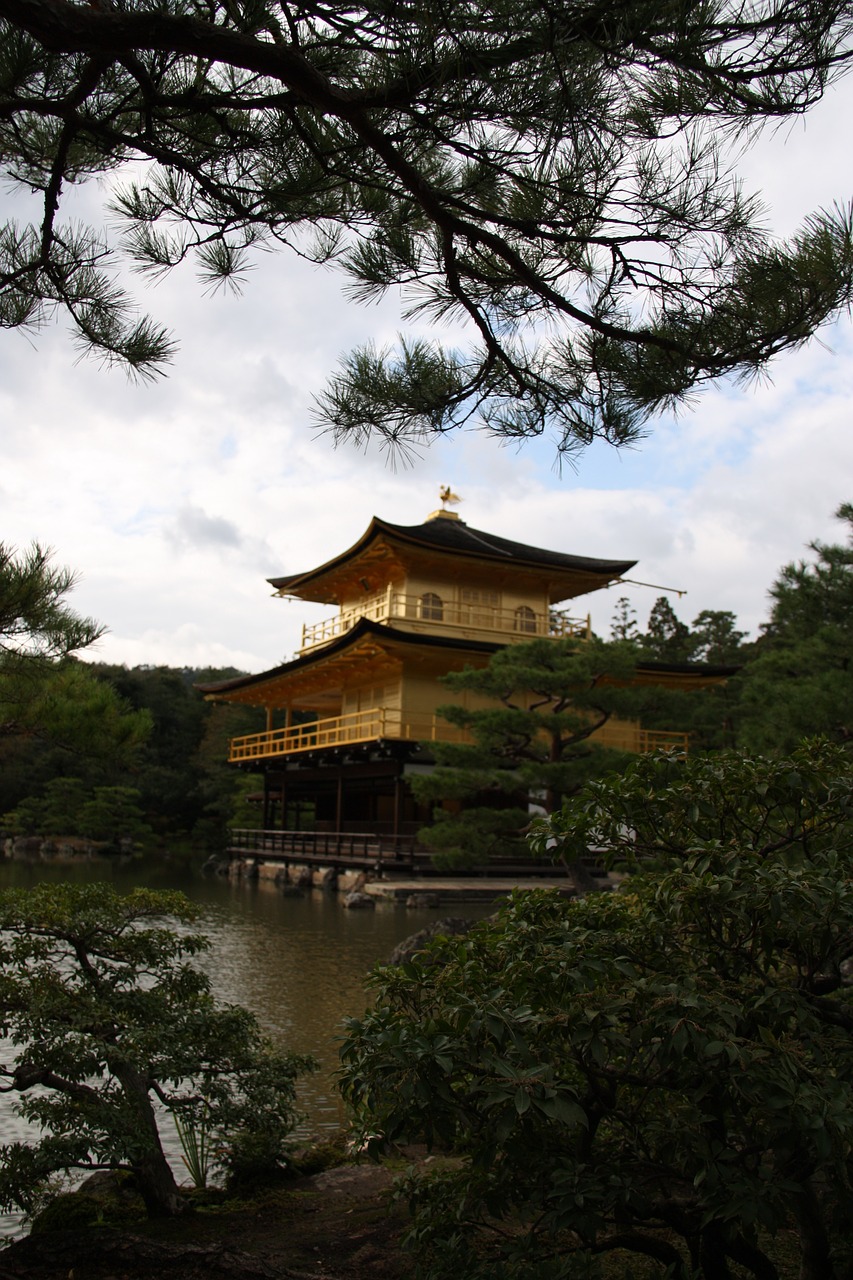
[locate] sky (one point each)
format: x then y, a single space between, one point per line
175 501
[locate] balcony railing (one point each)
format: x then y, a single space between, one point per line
350 729
626 737
378 723
394 606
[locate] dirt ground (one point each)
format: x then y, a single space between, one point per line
337 1225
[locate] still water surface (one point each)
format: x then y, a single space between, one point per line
299 964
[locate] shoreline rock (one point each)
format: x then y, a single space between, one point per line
62 849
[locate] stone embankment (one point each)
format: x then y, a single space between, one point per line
361 889
60 849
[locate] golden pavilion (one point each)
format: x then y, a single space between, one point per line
350 718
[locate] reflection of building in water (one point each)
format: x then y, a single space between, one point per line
351 717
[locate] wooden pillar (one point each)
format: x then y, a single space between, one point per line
339 799
398 803
265 820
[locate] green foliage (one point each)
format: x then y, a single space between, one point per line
55 717
43 692
36 626
88 719
667 638
253 1160
468 838
531 747
559 179
223 791
662 1075
140 747
624 623
801 681
67 807
106 1013
168 773
713 637
708 715
56 812
113 814
716 639
197 1152
146 727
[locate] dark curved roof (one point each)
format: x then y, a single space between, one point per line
716 670
457 538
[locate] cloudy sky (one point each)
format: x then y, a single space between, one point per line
175 501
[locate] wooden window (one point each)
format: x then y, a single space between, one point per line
432 607
491 599
479 607
525 620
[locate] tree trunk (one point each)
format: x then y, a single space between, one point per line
580 876
157 1186
754 1259
576 870
815 1261
713 1255
156 1182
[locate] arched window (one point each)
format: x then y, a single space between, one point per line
432 608
525 620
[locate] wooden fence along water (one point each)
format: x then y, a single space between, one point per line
363 851
384 856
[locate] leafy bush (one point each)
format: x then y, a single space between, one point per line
662 1075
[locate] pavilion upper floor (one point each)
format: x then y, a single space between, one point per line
444 579
454 610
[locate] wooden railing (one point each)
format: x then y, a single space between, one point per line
627 737
383 854
357 726
392 606
364 850
379 722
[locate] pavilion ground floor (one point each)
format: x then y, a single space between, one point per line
363 790
349 809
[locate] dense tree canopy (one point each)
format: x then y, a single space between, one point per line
555 177
661 1076
101 728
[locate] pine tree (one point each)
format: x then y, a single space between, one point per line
36 625
716 638
624 623
708 715
667 638
107 1024
532 716
560 179
801 682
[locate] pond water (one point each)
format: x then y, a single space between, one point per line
298 963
